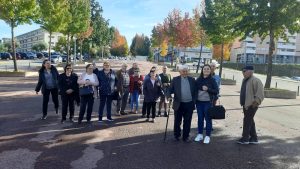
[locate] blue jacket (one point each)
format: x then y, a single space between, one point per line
42 81
105 82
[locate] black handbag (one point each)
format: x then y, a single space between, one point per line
86 90
217 112
116 95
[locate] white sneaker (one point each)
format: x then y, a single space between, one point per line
206 140
199 137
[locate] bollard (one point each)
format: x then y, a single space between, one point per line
276 85
232 77
298 91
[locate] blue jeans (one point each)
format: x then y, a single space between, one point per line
202 112
105 99
134 99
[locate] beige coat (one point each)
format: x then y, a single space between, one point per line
254 92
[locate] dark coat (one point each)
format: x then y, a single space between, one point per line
42 81
175 89
72 84
104 82
151 93
210 82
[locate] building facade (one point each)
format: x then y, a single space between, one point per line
31 38
255 50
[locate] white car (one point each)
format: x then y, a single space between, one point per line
56 59
297 78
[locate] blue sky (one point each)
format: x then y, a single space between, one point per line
129 16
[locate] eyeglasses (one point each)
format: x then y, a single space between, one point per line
68 68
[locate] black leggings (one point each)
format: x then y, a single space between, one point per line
46 94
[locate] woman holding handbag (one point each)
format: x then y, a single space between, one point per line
69 91
207 91
87 83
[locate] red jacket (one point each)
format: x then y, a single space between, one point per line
140 83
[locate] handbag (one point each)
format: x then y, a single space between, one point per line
217 112
116 95
86 90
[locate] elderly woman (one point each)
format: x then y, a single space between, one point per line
87 82
48 81
107 86
69 92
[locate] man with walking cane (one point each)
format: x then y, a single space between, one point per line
184 89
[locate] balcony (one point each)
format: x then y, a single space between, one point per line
251 45
285 53
286 47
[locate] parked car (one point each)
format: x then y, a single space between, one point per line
297 78
56 59
45 54
5 56
31 55
18 56
196 64
40 55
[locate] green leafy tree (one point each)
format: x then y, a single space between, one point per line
14 13
2 48
53 16
218 21
140 45
61 45
39 47
8 46
268 18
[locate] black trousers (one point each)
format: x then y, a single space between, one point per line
144 108
67 101
184 111
88 101
123 100
151 106
46 94
249 129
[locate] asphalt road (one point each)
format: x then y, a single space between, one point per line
131 143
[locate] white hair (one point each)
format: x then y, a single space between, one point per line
183 67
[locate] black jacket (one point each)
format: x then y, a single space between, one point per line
42 81
213 89
151 92
175 89
65 83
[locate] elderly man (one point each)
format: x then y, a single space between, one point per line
251 96
184 89
131 70
123 88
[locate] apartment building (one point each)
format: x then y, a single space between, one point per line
31 38
255 50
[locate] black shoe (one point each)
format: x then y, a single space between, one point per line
187 140
143 116
79 122
56 110
242 141
123 113
165 114
44 117
176 139
253 141
158 114
71 120
89 124
62 121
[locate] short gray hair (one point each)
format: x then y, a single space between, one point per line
183 67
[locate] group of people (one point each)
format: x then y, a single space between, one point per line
186 93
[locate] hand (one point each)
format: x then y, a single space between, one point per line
204 88
69 91
37 92
254 104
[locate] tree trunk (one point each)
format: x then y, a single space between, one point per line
222 57
172 57
68 48
50 45
198 65
13 45
269 69
81 42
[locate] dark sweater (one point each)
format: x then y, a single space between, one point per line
151 93
105 82
42 80
213 88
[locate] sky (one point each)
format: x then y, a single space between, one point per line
129 16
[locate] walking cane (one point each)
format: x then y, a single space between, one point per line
167 120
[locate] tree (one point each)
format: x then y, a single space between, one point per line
119 45
39 47
15 13
268 18
140 45
2 47
79 14
53 16
217 51
8 46
218 21
83 36
61 45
